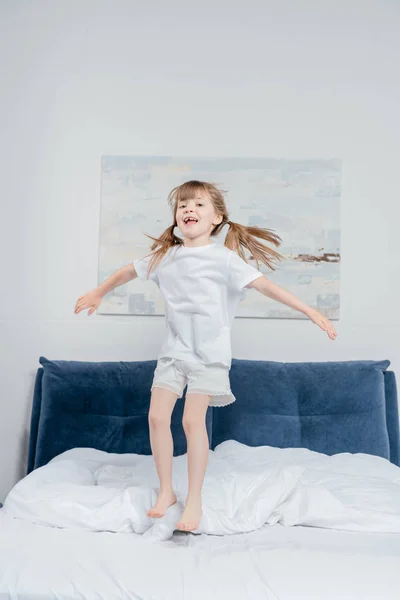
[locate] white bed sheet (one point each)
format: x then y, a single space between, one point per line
272 563
244 488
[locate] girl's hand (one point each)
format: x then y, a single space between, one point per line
90 300
323 322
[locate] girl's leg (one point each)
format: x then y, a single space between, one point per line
194 424
162 446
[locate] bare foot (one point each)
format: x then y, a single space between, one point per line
164 501
191 517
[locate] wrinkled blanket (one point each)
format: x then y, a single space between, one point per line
244 488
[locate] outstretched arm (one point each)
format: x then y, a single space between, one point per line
118 278
92 299
274 291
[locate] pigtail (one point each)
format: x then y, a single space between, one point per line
166 241
243 236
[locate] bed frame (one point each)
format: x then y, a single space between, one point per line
328 407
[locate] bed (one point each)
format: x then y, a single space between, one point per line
338 420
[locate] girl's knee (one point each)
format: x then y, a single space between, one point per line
193 423
159 420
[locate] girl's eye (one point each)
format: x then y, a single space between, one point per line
199 204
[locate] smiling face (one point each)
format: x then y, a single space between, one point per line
196 218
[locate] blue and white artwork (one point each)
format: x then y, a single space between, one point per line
298 199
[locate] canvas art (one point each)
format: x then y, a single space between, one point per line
298 199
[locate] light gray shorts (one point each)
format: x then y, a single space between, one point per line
173 374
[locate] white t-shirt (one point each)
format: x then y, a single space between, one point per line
201 288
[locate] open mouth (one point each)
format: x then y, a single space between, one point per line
190 220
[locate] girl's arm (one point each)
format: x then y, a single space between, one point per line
120 277
93 298
274 291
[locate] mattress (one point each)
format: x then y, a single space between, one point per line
273 562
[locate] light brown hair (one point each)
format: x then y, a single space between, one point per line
238 236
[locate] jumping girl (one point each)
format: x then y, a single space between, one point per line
201 282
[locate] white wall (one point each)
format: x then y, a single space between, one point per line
257 78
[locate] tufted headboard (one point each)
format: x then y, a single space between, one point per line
329 407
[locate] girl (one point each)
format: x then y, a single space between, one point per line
201 283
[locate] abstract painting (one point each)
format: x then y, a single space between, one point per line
298 199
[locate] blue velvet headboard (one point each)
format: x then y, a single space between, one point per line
329 407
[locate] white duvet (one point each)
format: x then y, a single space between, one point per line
244 488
